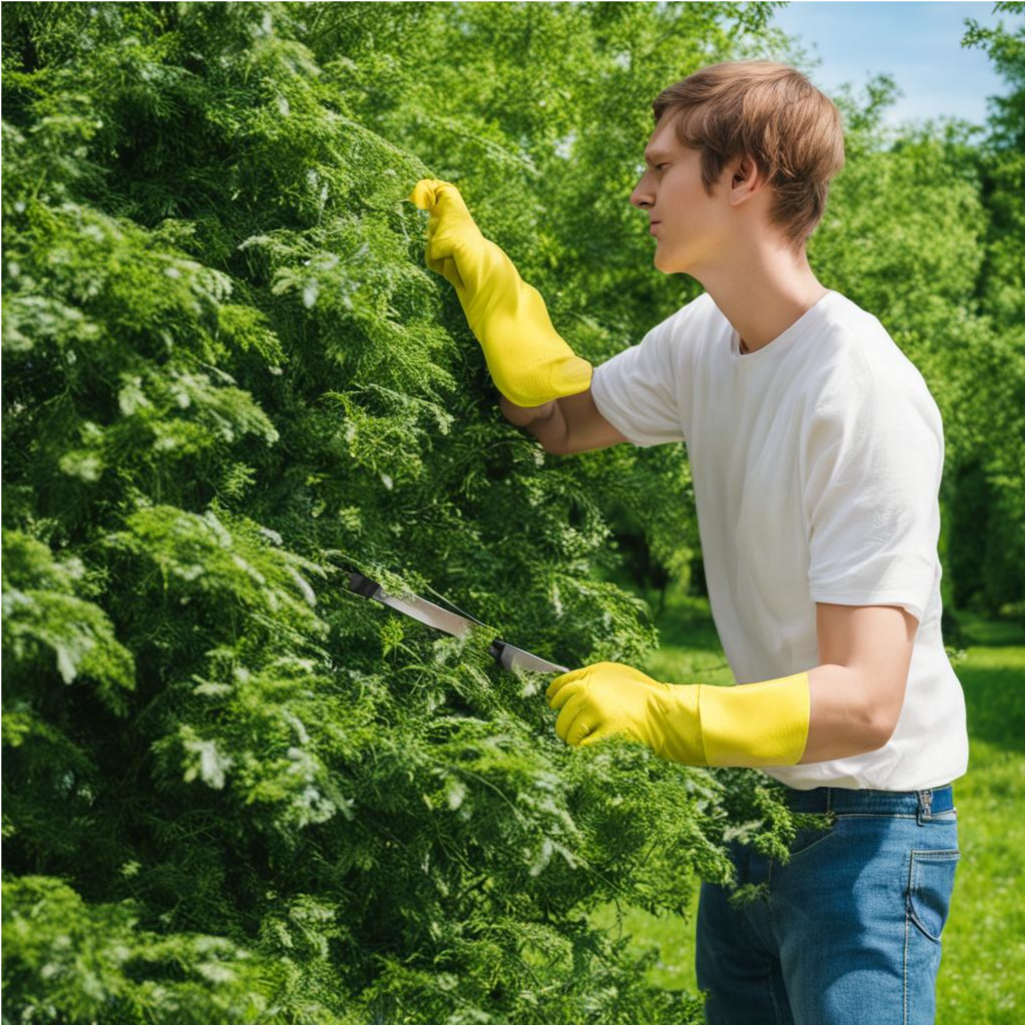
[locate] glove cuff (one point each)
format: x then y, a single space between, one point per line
756 724
680 732
570 376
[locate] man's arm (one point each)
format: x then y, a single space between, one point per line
529 361
566 425
846 706
858 692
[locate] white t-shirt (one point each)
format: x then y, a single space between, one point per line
816 463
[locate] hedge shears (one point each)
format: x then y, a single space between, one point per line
507 655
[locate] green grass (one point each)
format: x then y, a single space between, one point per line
982 973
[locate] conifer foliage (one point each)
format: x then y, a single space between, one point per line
233 790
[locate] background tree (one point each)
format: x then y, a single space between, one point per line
988 506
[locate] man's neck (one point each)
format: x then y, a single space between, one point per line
762 303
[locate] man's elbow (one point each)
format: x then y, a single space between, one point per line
885 715
557 447
878 736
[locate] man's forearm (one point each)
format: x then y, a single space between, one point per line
814 715
841 723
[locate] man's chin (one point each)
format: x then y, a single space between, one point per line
663 262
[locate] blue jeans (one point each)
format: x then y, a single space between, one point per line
849 932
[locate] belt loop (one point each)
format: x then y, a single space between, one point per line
924 806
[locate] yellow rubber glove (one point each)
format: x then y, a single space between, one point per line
530 363
749 725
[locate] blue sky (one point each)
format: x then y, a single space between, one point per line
918 43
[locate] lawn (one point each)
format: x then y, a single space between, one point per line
982 974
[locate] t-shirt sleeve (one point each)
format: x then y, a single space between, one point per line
872 465
636 390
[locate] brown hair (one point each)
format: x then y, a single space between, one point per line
772 113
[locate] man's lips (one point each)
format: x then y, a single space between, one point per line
654 224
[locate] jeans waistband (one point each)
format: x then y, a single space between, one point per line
922 803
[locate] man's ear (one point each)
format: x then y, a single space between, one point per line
745 171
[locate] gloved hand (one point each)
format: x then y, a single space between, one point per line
749 725
530 363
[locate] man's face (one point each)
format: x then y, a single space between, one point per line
694 230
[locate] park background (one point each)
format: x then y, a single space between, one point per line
233 791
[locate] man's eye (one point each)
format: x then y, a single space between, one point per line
660 166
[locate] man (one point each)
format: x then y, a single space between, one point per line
816 451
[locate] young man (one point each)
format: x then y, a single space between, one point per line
816 451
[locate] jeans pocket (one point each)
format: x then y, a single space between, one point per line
806 840
930 886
